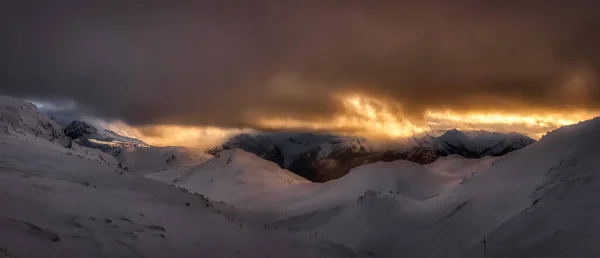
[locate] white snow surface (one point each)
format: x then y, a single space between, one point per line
19 117
443 209
61 202
458 165
478 142
247 181
145 160
232 176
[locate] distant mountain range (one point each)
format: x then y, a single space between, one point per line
316 157
324 157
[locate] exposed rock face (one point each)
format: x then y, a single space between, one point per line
339 164
275 155
79 129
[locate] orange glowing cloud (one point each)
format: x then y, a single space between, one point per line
173 135
365 116
377 118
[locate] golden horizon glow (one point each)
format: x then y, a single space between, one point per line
192 136
363 115
368 117
175 135
371 117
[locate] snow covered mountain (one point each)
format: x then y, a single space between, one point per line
88 135
285 148
474 144
535 202
145 160
76 202
20 118
65 200
245 180
232 175
133 154
302 153
323 157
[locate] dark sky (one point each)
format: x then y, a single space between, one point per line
224 63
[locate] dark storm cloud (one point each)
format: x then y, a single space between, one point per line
225 62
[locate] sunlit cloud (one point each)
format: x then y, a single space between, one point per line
373 117
532 124
173 135
363 116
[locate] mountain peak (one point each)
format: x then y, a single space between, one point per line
453 135
479 143
90 136
78 129
21 117
453 131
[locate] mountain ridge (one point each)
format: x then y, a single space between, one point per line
89 135
321 158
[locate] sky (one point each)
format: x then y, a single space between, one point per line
192 72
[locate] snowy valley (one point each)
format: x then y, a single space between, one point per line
62 195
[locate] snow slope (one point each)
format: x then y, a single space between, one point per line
19 118
133 154
261 187
562 220
145 160
244 180
232 176
60 202
483 202
460 166
443 209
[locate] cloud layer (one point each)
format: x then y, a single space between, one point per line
237 64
